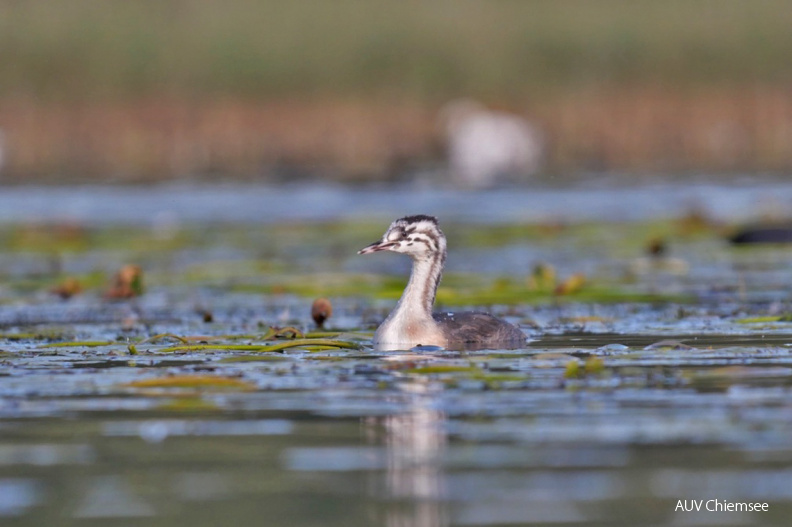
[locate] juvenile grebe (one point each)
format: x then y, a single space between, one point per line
412 323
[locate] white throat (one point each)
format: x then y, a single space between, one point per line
411 324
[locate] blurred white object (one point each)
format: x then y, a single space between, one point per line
2 149
484 146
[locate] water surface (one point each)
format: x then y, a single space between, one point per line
612 412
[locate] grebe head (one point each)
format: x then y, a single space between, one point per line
417 236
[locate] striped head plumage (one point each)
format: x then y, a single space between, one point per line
417 236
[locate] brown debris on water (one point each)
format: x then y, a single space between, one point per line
657 260
656 247
321 310
67 288
128 283
571 285
206 315
542 278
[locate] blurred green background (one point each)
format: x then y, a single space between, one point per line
110 90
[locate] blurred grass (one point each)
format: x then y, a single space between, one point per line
108 49
109 90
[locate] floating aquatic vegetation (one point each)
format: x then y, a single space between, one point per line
571 285
193 381
67 288
263 348
596 382
128 283
187 404
509 292
542 278
79 344
273 339
721 378
765 319
744 372
592 366
25 336
160 336
50 238
323 334
253 358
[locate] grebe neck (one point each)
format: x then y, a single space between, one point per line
419 295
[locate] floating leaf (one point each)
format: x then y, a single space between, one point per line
274 332
164 336
743 372
193 381
24 336
322 334
187 404
288 332
296 343
764 320
77 344
254 358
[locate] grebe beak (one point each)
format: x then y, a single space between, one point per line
377 246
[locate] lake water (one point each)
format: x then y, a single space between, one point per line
613 411
740 200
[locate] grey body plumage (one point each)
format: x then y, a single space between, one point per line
412 322
478 329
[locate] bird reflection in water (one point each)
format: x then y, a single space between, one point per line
414 480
